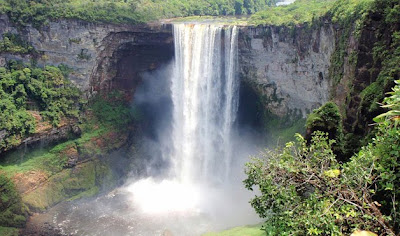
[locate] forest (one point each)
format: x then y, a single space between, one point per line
124 11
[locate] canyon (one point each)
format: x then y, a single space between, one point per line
280 63
285 73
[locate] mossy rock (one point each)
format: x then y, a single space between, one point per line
85 180
12 211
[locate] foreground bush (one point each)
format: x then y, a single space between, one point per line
304 190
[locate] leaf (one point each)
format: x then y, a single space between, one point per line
332 173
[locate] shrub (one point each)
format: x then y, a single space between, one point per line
24 88
305 191
13 43
327 119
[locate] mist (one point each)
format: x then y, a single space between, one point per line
152 201
196 130
219 205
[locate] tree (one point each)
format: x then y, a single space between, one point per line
304 190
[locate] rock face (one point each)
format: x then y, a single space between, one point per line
289 67
93 50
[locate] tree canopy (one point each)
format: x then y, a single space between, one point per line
24 90
39 12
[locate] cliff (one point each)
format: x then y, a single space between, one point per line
288 67
292 70
96 53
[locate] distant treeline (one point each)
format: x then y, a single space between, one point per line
38 12
302 11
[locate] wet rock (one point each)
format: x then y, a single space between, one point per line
289 67
28 181
73 157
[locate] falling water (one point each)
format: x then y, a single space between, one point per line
204 91
205 98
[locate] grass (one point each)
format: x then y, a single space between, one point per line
250 230
69 185
40 159
60 183
48 159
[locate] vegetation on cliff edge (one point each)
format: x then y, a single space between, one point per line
72 169
25 91
308 11
39 12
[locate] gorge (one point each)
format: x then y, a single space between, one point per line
197 147
154 122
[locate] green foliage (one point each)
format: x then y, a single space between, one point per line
392 103
23 12
348 12
90 177
25 88
299 12
13 43
65 70
343 12
12 211
75 40
385 152
349 15
112 109
366 80
327 119
48 160
276 129
305 191
280 130
389 56
290 184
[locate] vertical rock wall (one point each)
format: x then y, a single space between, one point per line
90 49
288 67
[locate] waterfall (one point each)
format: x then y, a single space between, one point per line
205 98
